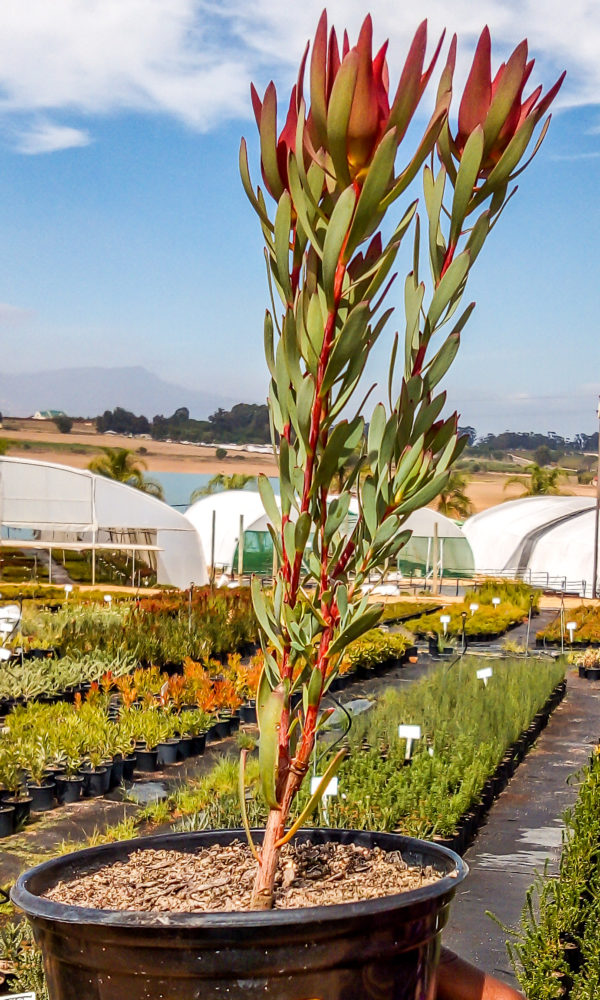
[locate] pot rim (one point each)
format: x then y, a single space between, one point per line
41 907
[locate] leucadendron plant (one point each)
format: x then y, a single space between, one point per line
341 162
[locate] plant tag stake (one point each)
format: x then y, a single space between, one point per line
484 674
18 996
409 733
332 789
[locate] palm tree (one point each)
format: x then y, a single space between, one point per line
122 465
542 482
236 481
453 501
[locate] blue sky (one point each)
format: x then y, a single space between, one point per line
125 237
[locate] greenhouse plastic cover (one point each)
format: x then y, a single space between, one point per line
59 501
229 505
550 535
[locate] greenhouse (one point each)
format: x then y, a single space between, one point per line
44 507
547 540
242 510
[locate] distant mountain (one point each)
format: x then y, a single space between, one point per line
87 392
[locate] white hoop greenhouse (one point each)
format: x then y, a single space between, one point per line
547 540
46 506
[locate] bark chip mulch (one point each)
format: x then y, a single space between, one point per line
220 879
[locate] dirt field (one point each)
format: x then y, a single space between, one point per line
484 490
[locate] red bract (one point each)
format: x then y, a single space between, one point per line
350 109
497 105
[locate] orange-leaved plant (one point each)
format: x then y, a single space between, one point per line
340 162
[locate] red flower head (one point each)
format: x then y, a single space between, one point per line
497 105
350 109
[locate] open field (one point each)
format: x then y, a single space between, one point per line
37 439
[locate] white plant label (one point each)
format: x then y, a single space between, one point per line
409 733
18 996
332 789
484 674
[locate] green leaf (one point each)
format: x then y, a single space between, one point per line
386 530
283 225
338 116
260 610
247 183
269 502
361 624
269 349
242 799
336 514
301 205
374 188
351 339
304 404
448 288
268 141
408 462
466 180
376 432
302 531
478 235
440 364
342 442
368 504
269 720
423 496
335 239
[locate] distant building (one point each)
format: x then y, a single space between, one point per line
48 414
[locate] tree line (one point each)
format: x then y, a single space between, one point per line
244 423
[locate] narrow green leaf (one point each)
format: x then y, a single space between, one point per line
243 810
302 531
374 188
283 224
440 364
314 800
465 182
269 502
247 183
260 610
352 338
269 720
335 239
338 116
448 288
269 341
358 626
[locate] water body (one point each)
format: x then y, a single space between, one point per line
178 486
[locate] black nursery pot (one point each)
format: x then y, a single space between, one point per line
42 796
68 790
382 948
593 673
248 712
167 752
22 807
198 744
146 761
7 820
95 783
184 748
129 764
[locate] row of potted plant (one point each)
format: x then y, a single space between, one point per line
586 632
556 952
478 620
467 728
52 678
587 661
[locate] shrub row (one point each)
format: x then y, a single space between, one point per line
557 951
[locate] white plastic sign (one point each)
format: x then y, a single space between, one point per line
18 996
332 789
484 674
409 733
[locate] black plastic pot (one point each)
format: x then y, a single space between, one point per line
198 744
42 796
7 820
248 712
167 752
382 948
129 764
184 748
95 782
22 808
68 790
220 730
593 673
116 771
146 761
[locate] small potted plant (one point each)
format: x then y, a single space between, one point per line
12 776
40 787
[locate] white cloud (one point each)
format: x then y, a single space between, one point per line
193 59
44 137
12 316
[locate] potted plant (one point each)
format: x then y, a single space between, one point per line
41 788
69 784
12 776
333 175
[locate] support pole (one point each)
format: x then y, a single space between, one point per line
49 565
240 566
94 558
596 518
212 547
133 567
434 571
